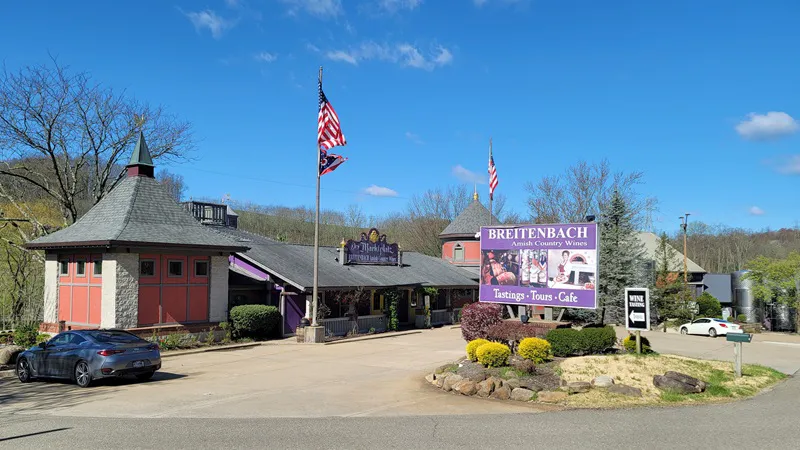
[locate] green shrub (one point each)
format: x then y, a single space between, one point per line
535 349
255 321
472 347
708 306
26 335
493 354
741 318
587 341
629 344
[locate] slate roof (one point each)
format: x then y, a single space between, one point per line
650 241
139 212
469 221
295 264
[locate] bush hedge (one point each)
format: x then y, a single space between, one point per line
493 354
587 341
476 318
255 321
472 347
513 331
26 335
629 344
535 349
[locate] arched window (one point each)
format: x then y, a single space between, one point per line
458 253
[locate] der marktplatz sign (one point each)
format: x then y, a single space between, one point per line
637 309
372 248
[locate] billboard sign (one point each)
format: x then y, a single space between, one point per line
372 248
546 265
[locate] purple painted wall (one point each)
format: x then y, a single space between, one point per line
238 262
295 309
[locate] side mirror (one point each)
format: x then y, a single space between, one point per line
43 344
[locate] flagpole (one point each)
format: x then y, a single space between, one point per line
491 195
315 291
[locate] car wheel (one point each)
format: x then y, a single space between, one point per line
83 377
24 370
145 376
684 330
712 332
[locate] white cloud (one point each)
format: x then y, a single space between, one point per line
404 54
756 211
380 191
266 57
787 165
318 8
210 20
771 125
414 138
468 176
393 6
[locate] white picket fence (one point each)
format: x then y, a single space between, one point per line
340 326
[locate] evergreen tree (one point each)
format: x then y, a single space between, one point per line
668 293
621 259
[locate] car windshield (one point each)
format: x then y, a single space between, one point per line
114 337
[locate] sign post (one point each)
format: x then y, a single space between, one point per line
637 313
737 339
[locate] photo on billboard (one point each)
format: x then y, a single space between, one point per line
543 265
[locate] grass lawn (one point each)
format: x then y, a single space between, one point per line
638 371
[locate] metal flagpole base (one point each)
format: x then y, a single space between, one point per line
314 335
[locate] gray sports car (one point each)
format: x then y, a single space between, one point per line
88 355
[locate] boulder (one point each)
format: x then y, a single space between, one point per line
501 393
485 388
512 383
451 381
523 365
466 387
443 369
529 383
683 378
521 394
496 382
551 396
678 382
579 387
8 354
430 378
622 389
473 372
603 381
441 378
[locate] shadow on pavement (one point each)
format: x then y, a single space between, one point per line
20 436
45 394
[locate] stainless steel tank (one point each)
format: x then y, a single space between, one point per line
782 317
743 300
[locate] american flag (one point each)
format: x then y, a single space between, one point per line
329 132
492 174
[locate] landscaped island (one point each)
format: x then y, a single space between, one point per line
583 368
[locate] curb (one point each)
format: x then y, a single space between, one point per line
217 348
377 336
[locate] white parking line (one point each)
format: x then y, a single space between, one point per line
791 344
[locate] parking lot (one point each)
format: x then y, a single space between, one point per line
381 377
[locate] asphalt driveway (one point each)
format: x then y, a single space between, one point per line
382 377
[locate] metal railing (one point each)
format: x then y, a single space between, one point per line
441 317
342 325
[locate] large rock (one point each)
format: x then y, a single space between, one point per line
512 383
501 393
440 378
496 382
485 388
451 381
430 378
551 396
530 383
521 394
678 382
683 378
523 365
622 389
579 387
466 387
8 354
603 381
473 372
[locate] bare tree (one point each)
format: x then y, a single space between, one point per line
174 184
354 216
81 130
586 189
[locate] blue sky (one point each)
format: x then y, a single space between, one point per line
701 96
